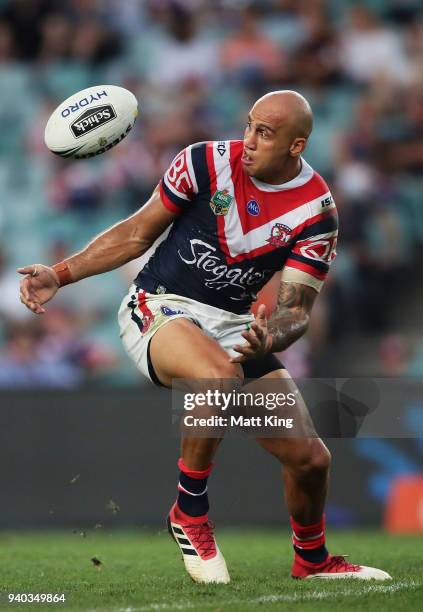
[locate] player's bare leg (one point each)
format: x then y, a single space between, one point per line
181 350
305 472
305 461
198 453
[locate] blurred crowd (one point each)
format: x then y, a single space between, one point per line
196 66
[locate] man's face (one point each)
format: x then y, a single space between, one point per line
269 139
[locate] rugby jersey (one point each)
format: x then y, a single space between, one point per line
233 232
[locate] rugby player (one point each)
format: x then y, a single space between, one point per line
239 211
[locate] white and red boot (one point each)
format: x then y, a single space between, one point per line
335 566
194 535
313 561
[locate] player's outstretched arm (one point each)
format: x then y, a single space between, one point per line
116 246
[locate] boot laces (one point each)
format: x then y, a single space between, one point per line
202 538
338 563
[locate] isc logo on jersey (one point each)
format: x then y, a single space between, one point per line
107 115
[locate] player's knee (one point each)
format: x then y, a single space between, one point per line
312 459
318 458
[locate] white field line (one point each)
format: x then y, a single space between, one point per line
293 597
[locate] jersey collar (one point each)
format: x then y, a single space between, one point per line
302 178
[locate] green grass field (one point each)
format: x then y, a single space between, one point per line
142 571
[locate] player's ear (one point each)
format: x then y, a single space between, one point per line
297 147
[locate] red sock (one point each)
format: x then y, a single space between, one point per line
309 540
197 474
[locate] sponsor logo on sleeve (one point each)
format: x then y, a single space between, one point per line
178 175
221 202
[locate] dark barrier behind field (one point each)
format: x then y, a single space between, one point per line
109 457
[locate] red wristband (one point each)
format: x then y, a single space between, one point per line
63 273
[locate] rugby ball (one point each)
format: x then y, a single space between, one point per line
91 121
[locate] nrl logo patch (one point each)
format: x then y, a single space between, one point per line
279 235
221 202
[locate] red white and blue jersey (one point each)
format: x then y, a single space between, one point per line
234 232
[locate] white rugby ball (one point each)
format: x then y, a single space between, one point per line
91 121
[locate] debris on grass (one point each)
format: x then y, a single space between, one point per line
96 562
80 532
112 506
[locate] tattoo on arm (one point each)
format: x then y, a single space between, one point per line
291 317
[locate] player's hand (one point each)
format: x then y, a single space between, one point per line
258 340
38 287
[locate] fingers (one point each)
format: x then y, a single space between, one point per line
259 325
246 352
261 315
256 338
252 340
33 306
253 346
27 299
259 331
24 289
239 358
32 270
261 319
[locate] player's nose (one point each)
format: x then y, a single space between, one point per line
250 141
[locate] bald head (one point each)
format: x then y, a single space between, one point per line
275 136
289 108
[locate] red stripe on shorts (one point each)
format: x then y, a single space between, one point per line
147 315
